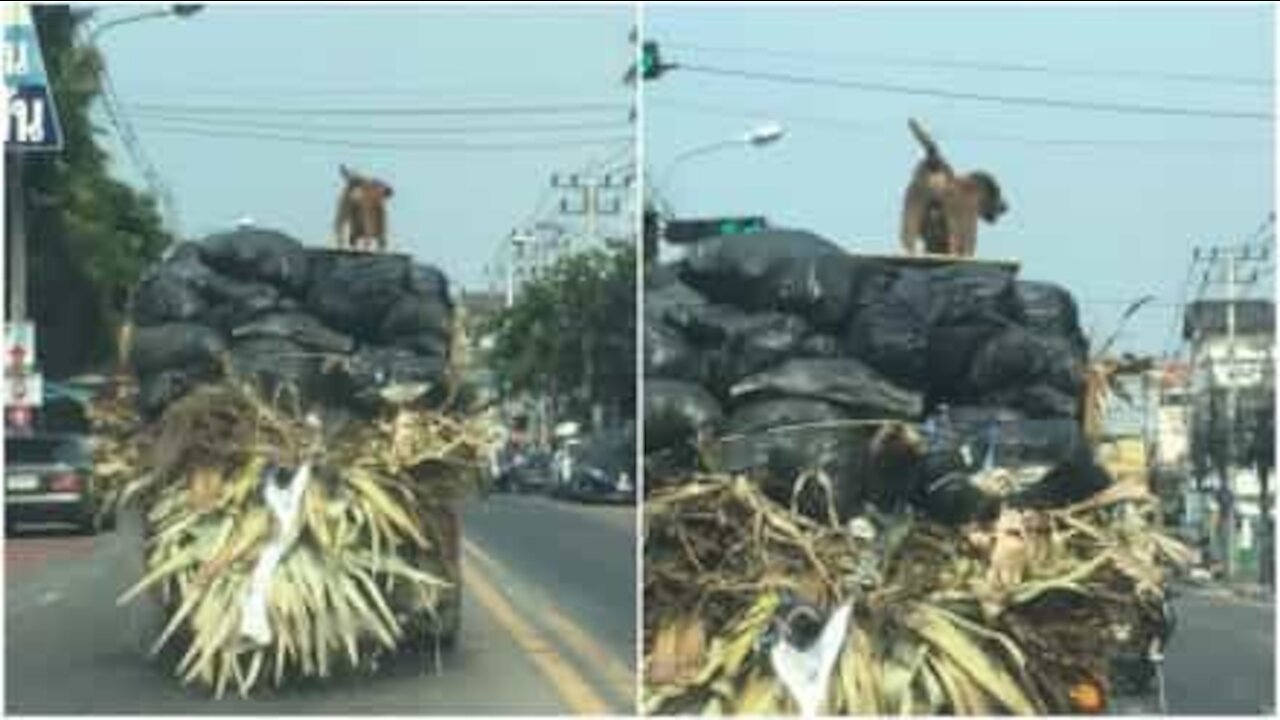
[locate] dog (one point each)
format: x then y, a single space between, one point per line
361 220
943 208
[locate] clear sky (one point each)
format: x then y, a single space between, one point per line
193 87
1108 204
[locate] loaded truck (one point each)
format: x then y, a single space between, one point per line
871 491
292 402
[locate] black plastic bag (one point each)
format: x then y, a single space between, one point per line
1049 309
843 381
1077 478
175 346
953 499
784 270
762 415
889 328
353 293
659 276
258 254
712 325
373 368
299 328
1010 439
950 358
161 298
674 413
777 458
1017 357
429 344
1038 402
973 294
429 281
732 344
673 304
416 315
228 301
667 355
160 390
977 416
819 346
278 359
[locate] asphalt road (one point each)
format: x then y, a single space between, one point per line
1221 659
548 627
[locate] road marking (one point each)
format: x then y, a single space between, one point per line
578 639
622 678
568 683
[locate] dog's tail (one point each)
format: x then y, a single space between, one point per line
930 147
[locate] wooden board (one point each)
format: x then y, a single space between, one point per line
930 260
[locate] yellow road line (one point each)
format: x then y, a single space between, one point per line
568 683
619 675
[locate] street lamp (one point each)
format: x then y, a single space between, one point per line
181 11
759 136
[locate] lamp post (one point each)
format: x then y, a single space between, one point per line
758 136
180 11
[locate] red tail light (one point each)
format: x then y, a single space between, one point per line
65 482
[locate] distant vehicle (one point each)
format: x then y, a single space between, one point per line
49 478
599 468
523 469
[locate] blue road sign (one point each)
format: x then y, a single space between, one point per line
31 118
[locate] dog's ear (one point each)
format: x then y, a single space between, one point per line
348 174
386 189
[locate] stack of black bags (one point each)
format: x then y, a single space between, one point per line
328 328
761 347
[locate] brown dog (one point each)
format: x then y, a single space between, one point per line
943 208
361 221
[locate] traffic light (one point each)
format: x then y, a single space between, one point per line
651 64
687 231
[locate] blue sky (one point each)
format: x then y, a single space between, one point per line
451 206
1113 216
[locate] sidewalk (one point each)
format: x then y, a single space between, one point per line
1247 590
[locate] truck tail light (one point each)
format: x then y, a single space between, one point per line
65 482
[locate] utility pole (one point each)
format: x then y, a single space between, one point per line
17 240
1224 372
1230 516
599 195
519 244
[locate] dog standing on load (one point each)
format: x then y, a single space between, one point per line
943 208
361 220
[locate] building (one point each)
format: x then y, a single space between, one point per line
1231 387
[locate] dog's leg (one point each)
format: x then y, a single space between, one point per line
962 224
914 208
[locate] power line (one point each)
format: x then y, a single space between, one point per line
1182 305
1162 146
1008 100
174 129
988 66
558 109
365 129
133 146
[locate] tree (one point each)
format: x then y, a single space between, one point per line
89 235
571 335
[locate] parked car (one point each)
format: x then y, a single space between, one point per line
522 469
49 478
599 468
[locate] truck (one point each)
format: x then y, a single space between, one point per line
298 452
873 489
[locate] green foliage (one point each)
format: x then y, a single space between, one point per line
571 333
89 235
